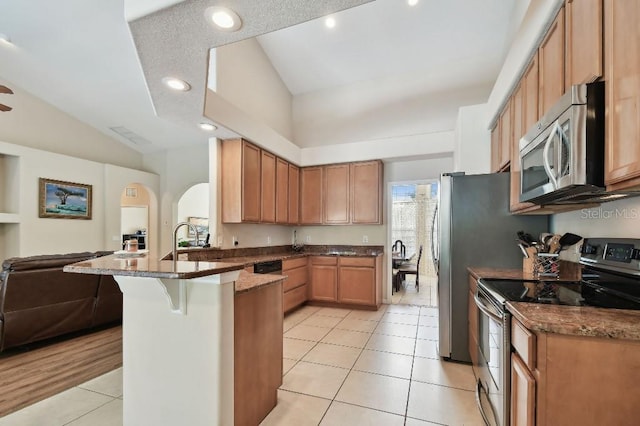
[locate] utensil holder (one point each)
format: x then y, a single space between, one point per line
546 265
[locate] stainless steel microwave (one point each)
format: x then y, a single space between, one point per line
562 156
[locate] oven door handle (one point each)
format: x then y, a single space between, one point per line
485 310
479 389
556 130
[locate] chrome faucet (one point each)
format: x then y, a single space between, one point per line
175 236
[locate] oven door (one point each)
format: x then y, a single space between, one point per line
494 369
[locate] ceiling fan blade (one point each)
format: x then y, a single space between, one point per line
5 108
5 89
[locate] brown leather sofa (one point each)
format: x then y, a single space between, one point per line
38 300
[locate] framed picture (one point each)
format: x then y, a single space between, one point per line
64 200
202 225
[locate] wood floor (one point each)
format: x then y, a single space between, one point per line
28 376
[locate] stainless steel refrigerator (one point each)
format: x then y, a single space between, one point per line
475 228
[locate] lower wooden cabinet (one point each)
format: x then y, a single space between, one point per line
356 282
523 393
346 280
294 288
559 379
324 278
473 321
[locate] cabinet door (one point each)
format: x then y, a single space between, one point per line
268 187
506 136
622 146
250 182
551 57
311 196
324 282
294 194
282 191
495 147
357 285
336 194
517 123
366 192
523 393
584 41
530 95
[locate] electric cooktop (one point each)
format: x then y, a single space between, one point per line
610 279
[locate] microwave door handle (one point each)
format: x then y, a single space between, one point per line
545 154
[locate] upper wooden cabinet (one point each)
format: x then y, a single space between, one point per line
268 187
311 195
495 147
506 137
336 194
282 191
551 65
294 194
584 40
240 181
622 61
529 85
366 192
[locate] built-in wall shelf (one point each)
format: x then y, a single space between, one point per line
9 218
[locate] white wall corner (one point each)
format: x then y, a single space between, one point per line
473 141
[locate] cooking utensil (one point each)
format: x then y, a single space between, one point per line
554 244
526 237
568 239
524 251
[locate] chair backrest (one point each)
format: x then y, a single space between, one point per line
399 246
419 256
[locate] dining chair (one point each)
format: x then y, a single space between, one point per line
410 269
399 247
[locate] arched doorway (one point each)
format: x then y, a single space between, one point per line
138 215
193 207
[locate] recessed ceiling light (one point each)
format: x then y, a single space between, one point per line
412 2
330 22
223 18
176 84
5 38
208 127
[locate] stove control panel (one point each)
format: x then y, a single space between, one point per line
617 252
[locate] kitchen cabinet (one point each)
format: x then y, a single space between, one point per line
506 137
336 194
495 147
240 186
268 187
530 94
257 329
294 287
324 278
294 194
357 280
584 39
622 71
551 65
311 195
366 192
523 393
282 191
554 374
346 281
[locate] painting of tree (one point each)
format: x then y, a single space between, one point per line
64 200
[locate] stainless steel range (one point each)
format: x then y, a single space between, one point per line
610 280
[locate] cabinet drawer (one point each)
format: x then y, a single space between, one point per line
324 260
294 263
367 262
293 298
524 342
295 278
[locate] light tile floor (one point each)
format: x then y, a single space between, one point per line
341 367
409 295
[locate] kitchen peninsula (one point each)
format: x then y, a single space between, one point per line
185 324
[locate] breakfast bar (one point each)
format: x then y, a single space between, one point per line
179 336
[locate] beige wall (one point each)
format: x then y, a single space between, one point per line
246 78
36 124
141 198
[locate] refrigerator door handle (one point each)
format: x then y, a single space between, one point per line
433 240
